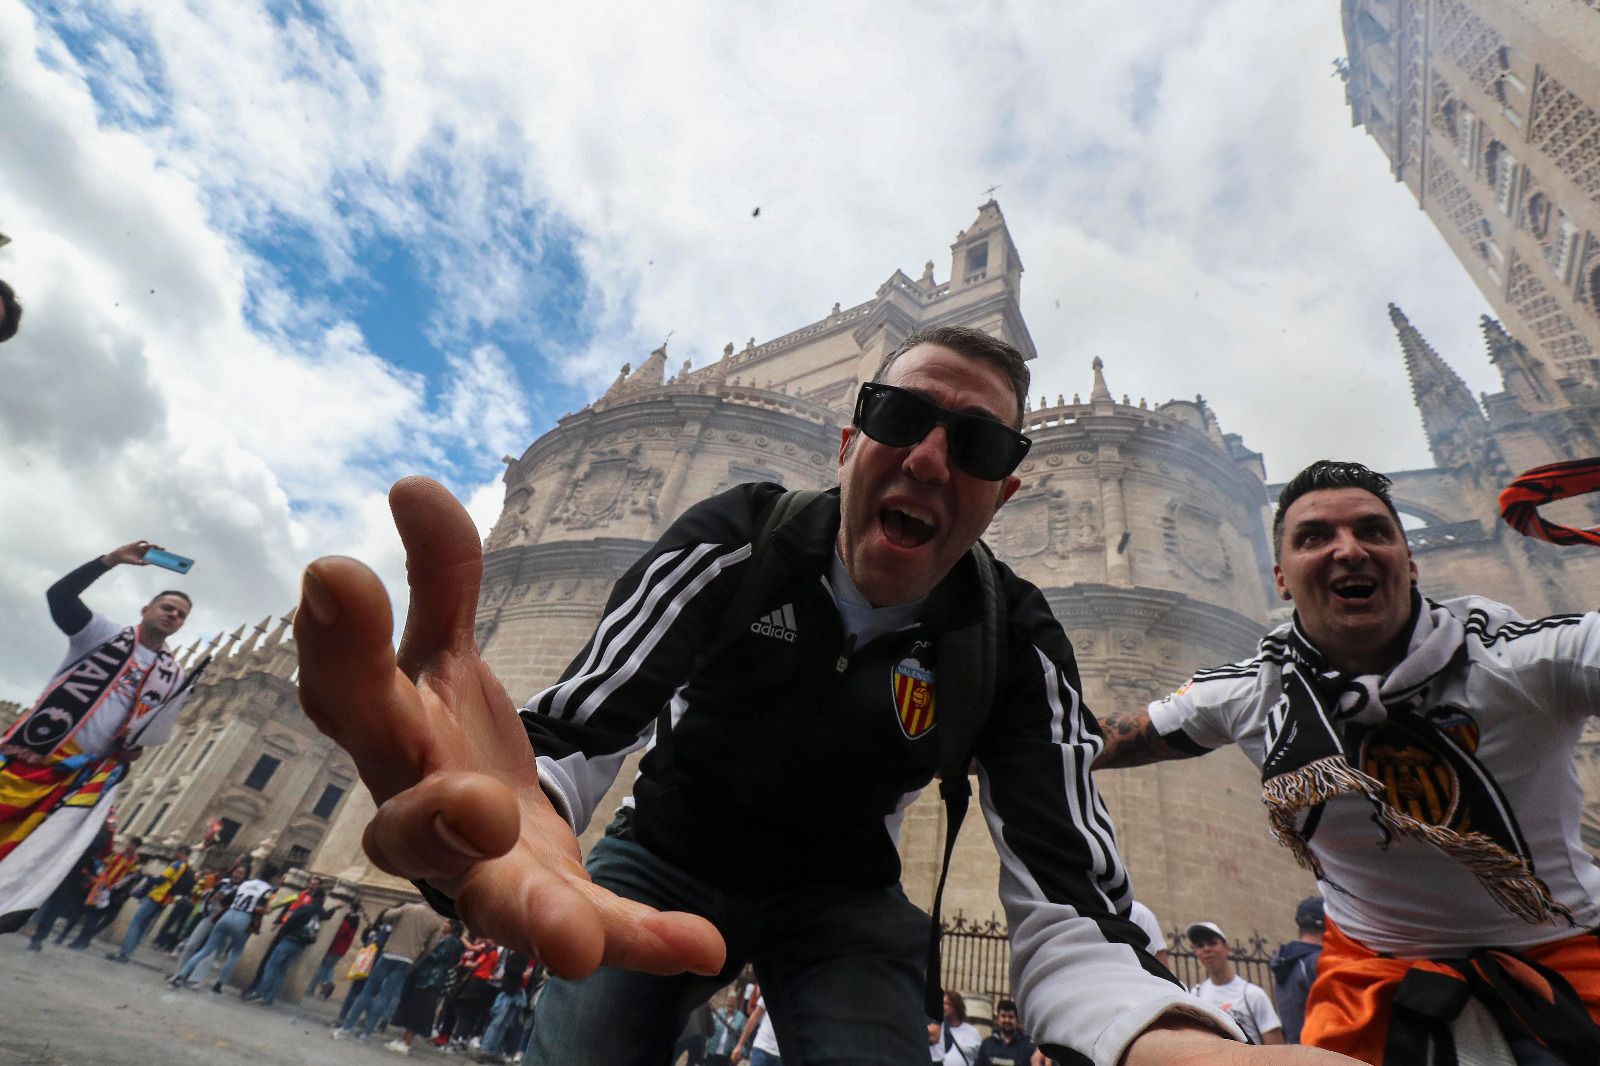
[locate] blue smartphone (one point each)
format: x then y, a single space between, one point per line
157 557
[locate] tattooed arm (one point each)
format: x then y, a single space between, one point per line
1132 740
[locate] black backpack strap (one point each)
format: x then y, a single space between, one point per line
969 661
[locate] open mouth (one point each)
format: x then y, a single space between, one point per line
907 527
1355 589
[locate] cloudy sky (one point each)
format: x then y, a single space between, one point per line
275 255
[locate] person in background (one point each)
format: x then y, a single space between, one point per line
233 929
1224 989
174 878
1008 1045
957 1040
212 907
1145 919
108 892
300 931
413 929
727 1022
504 1031
66 903
1294 967
419 1001
62 763
343 937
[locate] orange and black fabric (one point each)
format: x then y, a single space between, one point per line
1383 1010
1520 502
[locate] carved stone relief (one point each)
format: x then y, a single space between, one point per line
615 484
1193 538
1046 521
513 524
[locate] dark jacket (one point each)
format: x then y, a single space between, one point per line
1294 967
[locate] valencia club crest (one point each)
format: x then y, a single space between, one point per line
913 697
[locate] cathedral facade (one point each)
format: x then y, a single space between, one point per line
1489 112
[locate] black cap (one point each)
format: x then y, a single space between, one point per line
1308 916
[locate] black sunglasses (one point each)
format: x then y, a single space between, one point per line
981 446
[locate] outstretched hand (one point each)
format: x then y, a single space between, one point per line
439 744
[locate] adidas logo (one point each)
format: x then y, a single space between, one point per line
779 623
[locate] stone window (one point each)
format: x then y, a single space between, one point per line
203 753
298 854
228 829
262 772
150 827
977 261
1564 248
331 795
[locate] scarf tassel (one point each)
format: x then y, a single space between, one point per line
1506 876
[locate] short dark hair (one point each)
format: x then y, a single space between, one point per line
184 596
974 344
958 1006
10 312
1006 1004
1330 474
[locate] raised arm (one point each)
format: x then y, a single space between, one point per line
1131 739
67 609
439 744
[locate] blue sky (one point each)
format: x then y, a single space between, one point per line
276 255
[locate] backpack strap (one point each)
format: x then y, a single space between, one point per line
969 660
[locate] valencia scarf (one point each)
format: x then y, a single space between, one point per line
1520 502
80 691
1314 736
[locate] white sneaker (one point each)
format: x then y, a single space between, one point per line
338 1034
399 1047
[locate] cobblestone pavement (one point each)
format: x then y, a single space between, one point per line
75 1008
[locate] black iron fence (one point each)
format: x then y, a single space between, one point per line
976 957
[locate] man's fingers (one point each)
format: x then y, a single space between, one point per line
444 564
442 826
664 942
348 683
575 925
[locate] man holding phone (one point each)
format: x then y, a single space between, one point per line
118 689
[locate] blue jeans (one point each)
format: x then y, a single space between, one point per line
228 935
503 1028
764 1058
379 996
841 970
277 968
148 909
324 974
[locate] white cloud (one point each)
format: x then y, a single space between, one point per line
1182 181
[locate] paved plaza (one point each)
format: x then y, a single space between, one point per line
75 1008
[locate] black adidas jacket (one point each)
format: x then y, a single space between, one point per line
794 755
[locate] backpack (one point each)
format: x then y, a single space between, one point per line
976 651
308 932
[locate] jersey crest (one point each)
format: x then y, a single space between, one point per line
913 697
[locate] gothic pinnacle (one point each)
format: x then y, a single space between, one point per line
1100 391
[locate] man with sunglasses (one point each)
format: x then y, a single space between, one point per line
762 823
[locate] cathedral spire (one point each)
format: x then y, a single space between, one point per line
1525 377
1451 418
